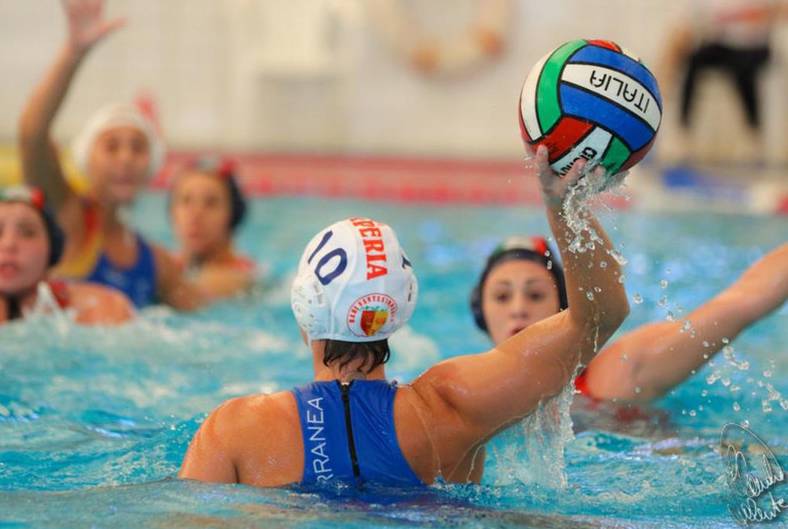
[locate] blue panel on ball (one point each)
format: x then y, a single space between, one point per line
619 61
584 105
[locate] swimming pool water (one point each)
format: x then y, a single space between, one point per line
94 422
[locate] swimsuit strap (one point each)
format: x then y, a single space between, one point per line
84 263
60 292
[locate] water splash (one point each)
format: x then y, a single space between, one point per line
536 456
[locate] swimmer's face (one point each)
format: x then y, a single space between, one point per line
118 164
201 213
24 248
516 294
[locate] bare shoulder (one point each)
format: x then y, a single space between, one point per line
97 304
263 433
253 415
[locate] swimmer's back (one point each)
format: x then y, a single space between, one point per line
261 436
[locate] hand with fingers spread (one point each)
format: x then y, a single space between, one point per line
87 24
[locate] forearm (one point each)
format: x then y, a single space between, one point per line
674 355
594 288
39 158
48 95
655 358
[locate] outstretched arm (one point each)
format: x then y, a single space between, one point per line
649 361
40 163
487 392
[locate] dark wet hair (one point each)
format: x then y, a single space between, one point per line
536 251
374 353
225 169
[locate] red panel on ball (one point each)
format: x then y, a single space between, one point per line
605 44
565 135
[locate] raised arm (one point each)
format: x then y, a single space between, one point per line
487 392
651 360
40 163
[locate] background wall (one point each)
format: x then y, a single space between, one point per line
318 76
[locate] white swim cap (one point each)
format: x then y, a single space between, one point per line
354 283
118 115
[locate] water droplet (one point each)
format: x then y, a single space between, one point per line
549 265
687 326
637 298
706 344
711 379
726 341
704 393
602 264
692 413
663 283
767 373
620 259
663 301
638 389
766 406
597 290
736 406
726 381
705 356
700 407
669 316
621 279
590 295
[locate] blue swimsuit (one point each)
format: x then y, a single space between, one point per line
138 282
349 434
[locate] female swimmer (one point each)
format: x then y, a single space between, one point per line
30 243
521 284
354 288
118 150
206 207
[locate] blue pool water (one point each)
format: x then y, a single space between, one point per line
94 422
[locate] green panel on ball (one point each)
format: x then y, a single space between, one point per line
617 153
547 107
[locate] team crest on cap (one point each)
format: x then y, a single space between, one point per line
368 314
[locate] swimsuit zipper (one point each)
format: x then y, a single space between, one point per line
345 388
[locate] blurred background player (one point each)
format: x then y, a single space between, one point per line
31 243
118 150
206 207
